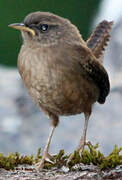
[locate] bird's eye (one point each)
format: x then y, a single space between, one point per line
43 27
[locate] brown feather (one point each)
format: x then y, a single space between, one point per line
99 39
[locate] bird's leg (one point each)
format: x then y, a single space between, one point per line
83 138
46 156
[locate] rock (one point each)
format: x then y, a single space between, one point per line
82 172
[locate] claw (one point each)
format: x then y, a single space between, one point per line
69 159
46 158
79 149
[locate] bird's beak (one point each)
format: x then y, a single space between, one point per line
22 27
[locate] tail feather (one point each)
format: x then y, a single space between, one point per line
99 39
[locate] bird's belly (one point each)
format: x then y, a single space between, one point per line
56 102
67 98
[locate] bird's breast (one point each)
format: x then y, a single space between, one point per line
53 85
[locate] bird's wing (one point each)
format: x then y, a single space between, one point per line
94 70
79 59
99 39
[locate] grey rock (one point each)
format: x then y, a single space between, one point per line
84 172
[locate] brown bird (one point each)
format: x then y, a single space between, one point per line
62 73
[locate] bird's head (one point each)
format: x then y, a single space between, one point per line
46 28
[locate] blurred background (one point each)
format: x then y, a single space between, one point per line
23 127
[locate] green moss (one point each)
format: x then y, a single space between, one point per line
94 156
12 160
90 154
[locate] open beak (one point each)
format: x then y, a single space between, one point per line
22 27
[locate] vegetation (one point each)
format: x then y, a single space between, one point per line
90 154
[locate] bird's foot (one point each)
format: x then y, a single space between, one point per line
79 150
45 158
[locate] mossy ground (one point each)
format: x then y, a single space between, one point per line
90 154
